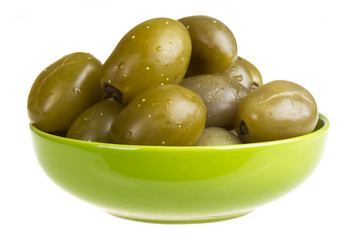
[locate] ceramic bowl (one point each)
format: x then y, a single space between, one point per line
179 184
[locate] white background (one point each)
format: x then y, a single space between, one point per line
308 42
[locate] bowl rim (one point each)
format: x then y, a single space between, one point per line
57 138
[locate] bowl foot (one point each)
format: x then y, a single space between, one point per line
183 221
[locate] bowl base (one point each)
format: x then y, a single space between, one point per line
183 221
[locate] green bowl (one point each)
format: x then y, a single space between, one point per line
179 184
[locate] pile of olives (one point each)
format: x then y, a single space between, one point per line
169 82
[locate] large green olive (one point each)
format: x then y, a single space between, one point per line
214 47
246 73
63 90
277 110
154 52
213 136
221 96
163 115
94 124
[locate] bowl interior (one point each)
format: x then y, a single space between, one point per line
321 126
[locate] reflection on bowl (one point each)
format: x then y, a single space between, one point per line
179 184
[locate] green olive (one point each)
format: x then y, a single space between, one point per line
246 73
221 96
213 136
214 47
162 115
277 110
154 52
63 90
94 124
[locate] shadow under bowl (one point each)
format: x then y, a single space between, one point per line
170 184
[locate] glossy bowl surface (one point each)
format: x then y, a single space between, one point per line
179 184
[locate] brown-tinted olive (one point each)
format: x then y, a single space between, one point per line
221 96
